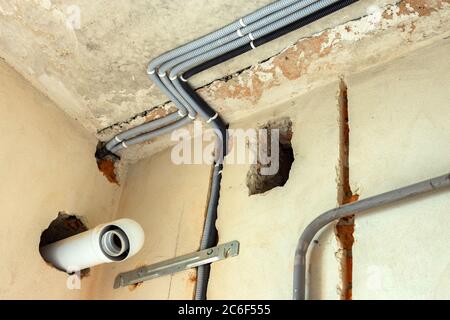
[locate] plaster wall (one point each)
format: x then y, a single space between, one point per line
47 166
169 201
399 135
268 225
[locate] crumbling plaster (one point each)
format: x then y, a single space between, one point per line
97 73
314 61
94 67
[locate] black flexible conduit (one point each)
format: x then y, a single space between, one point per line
269 37
209 238
210 232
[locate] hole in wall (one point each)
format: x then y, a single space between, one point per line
64 226
257 180
106 163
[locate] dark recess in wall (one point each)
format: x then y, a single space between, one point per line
64 226
259 183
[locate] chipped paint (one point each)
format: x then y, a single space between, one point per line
379 36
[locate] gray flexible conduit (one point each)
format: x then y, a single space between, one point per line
299 283
233 36
180 68
145 127
253 26
253 21
152 134
232 27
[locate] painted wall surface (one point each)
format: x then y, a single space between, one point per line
399 135
169 201
268 225
46 166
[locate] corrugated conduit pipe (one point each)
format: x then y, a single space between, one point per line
188 101
252 22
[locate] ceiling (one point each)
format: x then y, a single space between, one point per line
90 56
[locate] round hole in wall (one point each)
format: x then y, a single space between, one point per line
63 226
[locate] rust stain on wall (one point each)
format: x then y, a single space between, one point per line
134 286
107 167
345 226
192 277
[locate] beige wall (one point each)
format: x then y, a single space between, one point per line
169 201
47 165
268 225
400 134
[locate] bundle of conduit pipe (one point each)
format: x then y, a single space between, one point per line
171 71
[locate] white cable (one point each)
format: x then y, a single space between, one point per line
212 118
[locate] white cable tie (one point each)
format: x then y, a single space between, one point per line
124 145
251 36
162 75
212 118
117 139
241 22
191 117
181 114
239 33
217 164
183 79
252 45
220 172
151 71
173 78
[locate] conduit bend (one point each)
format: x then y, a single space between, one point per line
155 74
255 29
300 266
245 25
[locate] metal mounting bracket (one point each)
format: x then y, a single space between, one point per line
177 264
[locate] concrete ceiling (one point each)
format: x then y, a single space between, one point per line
90 57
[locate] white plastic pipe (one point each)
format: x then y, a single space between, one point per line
109 242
